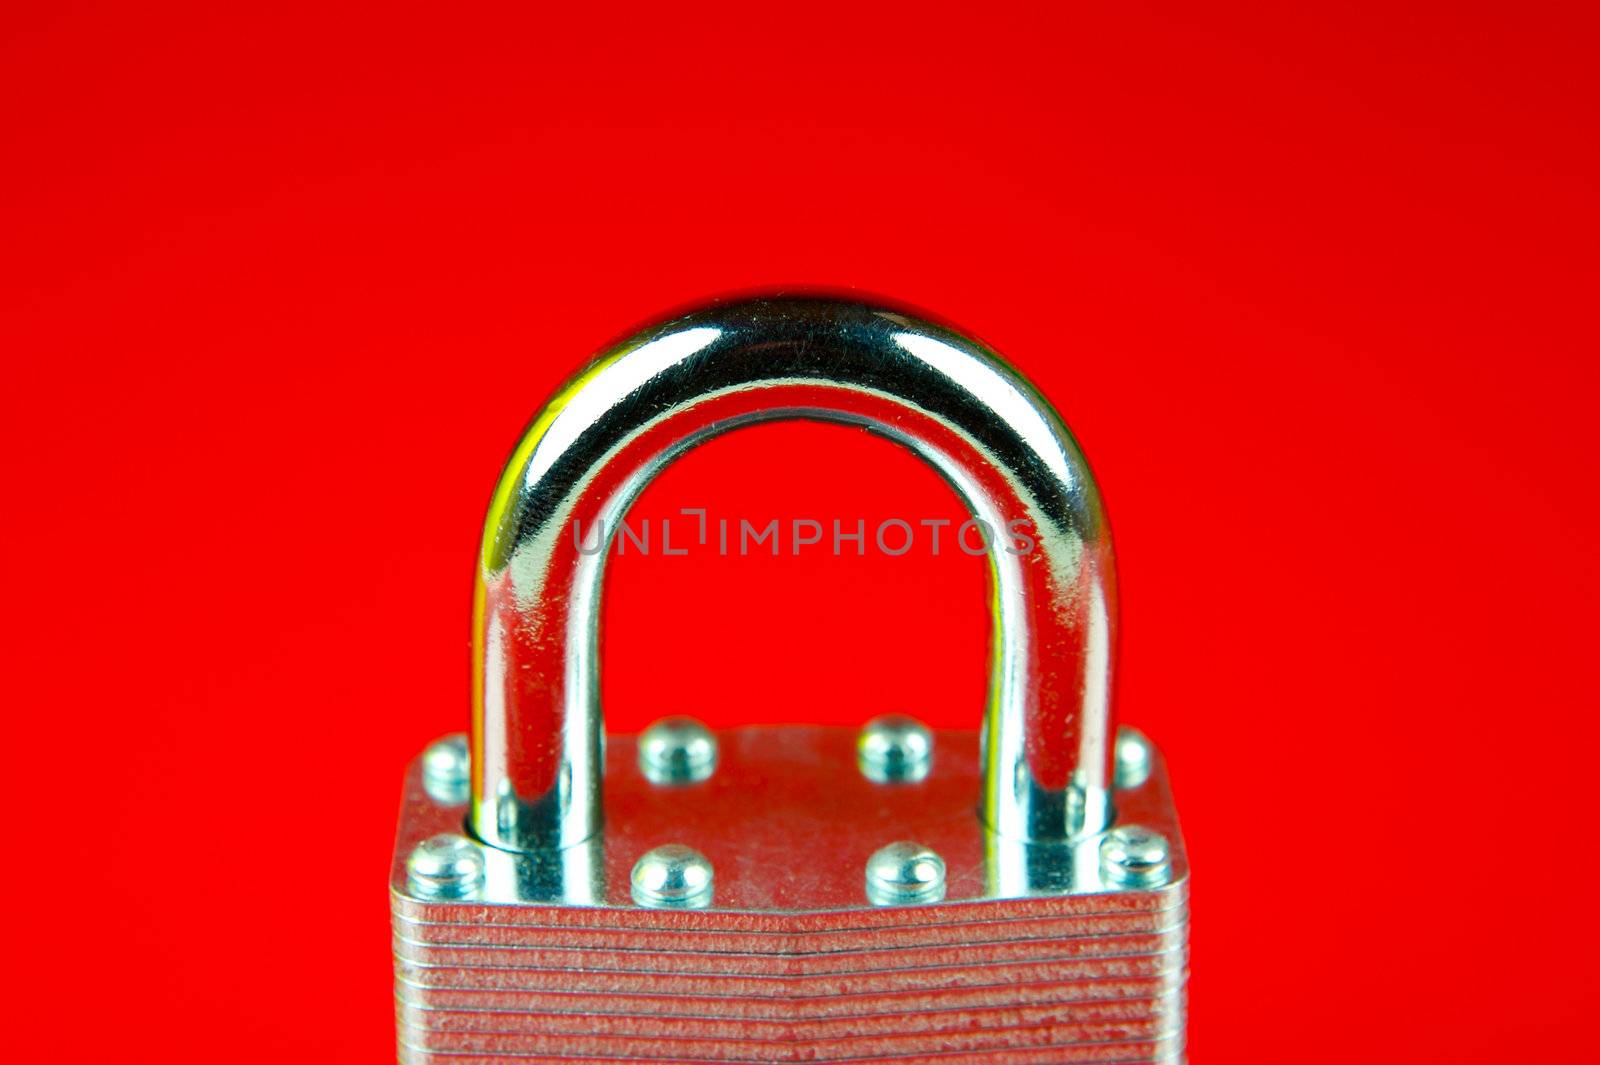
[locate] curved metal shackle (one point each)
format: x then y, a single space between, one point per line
537 729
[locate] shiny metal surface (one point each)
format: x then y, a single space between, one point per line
536 718
672 876
1033 955
779 790
1132 757
445 866
905 872
1036 931
894 749
446 768
1135 856
677 750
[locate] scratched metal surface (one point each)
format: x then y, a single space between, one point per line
908 1007
1165 1051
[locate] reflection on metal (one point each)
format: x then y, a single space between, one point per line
536 721
672 877
894 749
568 876
1034 953
1029 920
903 873
446 771
677 750
445 866
1135 856
790 824
1132 757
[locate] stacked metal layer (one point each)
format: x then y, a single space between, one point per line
1028 959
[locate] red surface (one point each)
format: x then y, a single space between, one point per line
1315 290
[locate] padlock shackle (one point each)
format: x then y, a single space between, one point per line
537 729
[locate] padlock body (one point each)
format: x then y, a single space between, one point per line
1034 954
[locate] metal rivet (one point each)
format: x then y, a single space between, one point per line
1134 757
447 769
672 876
446 866
894 749
677 750
904 872
1135 856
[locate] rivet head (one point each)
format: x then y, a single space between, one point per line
904 872
446 866
673 876
447 769
677 750
1135 856
1134 757
894 749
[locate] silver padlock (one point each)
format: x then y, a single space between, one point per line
791 893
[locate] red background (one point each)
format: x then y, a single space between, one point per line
1315 291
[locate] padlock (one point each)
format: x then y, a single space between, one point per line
794 893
